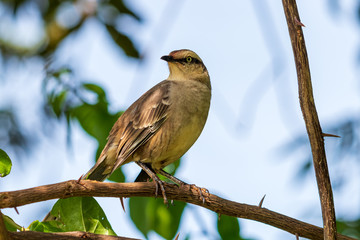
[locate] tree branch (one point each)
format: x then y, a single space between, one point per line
30 235
311 118
185 193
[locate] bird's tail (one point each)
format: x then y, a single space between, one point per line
97 172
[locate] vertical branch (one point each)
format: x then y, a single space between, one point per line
4 235
311 118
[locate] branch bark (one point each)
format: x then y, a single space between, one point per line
311 118
185 193
30 235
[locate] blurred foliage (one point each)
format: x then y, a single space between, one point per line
83 102
12 134
150 214
60 19
341 152
228 227
345 148
349 228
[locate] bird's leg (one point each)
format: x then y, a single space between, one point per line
156 179
171 177
181 183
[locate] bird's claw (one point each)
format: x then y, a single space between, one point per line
160 183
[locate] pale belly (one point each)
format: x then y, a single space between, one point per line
178 134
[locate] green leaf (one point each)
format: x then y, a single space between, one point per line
117 176
5 164
76 214
95 120
10 224
123 42
349 228
228 227
122 8
38 226
58 103
150 214
99 91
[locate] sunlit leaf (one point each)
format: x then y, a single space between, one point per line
5 164
10 224
76 214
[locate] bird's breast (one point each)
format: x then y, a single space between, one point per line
186 119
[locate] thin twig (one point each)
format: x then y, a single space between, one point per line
147 189
311 118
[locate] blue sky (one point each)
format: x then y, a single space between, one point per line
254 109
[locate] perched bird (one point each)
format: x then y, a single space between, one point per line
159 127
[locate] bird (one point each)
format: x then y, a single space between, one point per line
160 126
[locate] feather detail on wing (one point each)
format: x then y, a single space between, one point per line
132 130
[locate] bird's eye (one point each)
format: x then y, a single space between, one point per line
189 59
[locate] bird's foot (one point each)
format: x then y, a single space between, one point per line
160 183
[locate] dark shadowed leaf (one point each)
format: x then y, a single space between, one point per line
123 42
122 8
58 102
228 227
95 120
5 164
99 91
117 176
349 228
150 214
76 214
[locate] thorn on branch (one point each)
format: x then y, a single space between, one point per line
330 135
261 201
16 210
297 236
219 216
122 203
177 236
78 181
298 22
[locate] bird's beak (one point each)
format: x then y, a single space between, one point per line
167 58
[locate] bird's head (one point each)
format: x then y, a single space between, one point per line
186 65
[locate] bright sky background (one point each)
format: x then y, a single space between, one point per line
237 156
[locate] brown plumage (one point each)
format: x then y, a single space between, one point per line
159 127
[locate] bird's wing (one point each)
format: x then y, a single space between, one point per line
140 121
132 130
